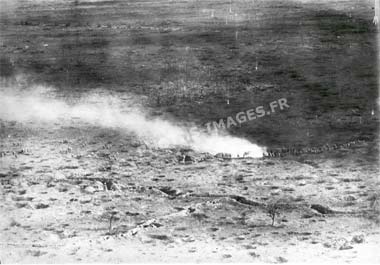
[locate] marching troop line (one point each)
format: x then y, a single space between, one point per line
281 152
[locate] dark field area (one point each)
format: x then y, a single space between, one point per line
191 57
80 182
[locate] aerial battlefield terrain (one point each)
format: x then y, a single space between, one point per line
95 97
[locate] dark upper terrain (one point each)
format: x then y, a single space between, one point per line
190 57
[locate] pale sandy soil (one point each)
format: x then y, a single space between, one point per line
55 207
60 182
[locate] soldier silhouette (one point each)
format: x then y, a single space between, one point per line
377 13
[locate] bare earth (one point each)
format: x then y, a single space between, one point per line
60 187
76 192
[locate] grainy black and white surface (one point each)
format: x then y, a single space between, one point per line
105 153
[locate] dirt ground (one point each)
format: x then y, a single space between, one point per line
72 191
61 184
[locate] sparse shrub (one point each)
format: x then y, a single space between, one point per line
110 216
375 207
273 210
375 202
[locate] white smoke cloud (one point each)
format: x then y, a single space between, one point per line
40 104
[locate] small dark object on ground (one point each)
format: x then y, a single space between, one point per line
321 209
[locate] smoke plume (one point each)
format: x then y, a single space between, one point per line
41 104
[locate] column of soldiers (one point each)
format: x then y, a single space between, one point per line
284 151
